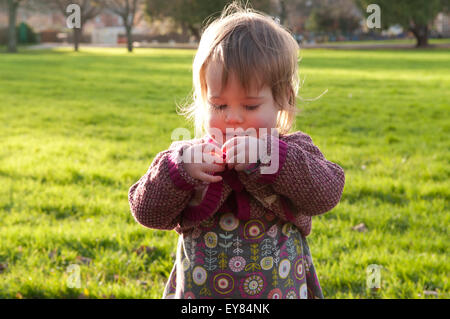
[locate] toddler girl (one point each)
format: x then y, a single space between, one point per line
242 225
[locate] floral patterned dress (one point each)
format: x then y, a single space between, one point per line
230 258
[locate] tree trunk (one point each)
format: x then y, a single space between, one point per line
12 37
129 39
77 37
421 34
283 12
194 31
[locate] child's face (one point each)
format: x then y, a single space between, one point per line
233 108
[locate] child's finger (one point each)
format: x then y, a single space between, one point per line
212 168
211 148
211 158
213 154
235 164
209 178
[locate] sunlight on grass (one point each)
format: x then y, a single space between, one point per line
78 129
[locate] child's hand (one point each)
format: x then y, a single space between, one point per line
200 160
241 151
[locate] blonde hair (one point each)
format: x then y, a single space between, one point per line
255 48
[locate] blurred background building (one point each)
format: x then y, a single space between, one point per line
156 21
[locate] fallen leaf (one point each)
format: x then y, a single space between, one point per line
53 254
119 279
362 228
3 267
84 260
19 295
144 250
142 283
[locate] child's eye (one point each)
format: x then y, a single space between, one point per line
223 107
219 107
251 107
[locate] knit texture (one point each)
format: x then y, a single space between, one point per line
305 184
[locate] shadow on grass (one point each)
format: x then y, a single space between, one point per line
390 196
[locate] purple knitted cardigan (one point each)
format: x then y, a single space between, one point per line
306 184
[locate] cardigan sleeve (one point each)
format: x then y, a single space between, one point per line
158 198
313 184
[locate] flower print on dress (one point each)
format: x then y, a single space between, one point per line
199 275
186 264
210 260
228 222
266 247
276 252
303 291
291 249
299 268
222 260
225 244
253 230
237 244
237 263
199 255
266 263
275 294
222 283
210 239
189 295
284 268
287 229
291 294
273 231
253 285
253 264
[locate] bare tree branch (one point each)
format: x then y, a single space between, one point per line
126 9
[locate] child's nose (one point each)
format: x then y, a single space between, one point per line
233 117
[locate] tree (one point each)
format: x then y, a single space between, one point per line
192 14
126 9
413 15
286 7
12 6
89 9
337 15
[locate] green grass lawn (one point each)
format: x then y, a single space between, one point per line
79 129
411 41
